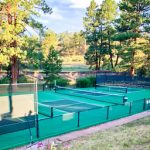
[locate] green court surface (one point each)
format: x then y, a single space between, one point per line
68 110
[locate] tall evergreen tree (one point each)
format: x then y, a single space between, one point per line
109 11
91 25
133 26
98 31
16 15
52 65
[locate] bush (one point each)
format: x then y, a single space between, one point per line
144 72
4 80
92 80
21 79
24 79
62 81
85 82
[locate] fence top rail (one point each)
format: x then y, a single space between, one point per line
17 84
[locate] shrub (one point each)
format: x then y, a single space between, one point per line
24 79
21 79
144 72
62 81
85 82
92 80
4 80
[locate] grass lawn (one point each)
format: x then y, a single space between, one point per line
132 136
75 67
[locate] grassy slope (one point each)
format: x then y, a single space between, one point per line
75 67
132 136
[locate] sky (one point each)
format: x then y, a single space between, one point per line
67 15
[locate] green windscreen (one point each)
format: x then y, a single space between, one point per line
17 107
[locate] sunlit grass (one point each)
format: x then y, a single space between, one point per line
75 68
132 136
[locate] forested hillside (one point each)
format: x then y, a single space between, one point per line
116 37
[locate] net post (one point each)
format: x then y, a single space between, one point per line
125 99
52 113
78 119
95 86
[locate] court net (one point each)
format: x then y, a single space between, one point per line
96 96
119 89
49 108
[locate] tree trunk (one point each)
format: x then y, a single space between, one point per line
14 61
101 46
0 69
14 69
110 53
96 58
132 68
117 59
99 62
132 71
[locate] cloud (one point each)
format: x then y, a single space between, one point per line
44 21
30 31
56 15
67 14
82 3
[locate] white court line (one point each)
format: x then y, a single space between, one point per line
88 102
121 87
99 95
49 106
79 101
136 91
59 107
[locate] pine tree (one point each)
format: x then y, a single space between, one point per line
98 31
91 25
52 65
109 12
132 27
15 16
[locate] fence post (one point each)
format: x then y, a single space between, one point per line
78 119
130 108
144 105
37 126
108 112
